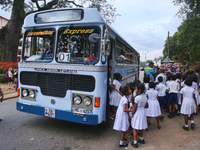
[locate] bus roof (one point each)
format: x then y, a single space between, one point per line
90 15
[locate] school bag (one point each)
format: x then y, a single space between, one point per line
6 75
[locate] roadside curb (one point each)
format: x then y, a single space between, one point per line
10 97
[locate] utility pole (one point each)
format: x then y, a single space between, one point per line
168 48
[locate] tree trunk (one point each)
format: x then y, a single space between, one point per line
11 33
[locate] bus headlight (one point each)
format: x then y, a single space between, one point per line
87 101
77 100
25 92
32 94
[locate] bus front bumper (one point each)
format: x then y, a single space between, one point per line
89 119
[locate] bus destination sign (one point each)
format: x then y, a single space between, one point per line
56 70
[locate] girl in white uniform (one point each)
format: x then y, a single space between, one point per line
139 120
195 86
178 80
154 107
188 103
122 118
115 94
146 82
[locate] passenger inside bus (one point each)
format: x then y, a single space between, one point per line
123 58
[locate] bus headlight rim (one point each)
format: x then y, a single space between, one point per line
25 92
77 100
32 94
87 101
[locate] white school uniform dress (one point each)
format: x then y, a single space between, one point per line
122 119
179 94
188 105
114 95
154 106
146 87
139 120
194 85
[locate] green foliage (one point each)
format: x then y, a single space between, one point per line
3 79
188 36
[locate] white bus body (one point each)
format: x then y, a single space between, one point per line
62 74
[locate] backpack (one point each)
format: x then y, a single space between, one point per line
6 75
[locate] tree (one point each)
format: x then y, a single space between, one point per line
177 48
190 28
10 34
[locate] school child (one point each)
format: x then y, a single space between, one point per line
122 119
146 80
169 79
116 92
173 88
178 80
195 86
161 88
139 120
154 107
188 103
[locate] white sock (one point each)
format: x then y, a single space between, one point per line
141 138
176 106
121 142
186 126
177 112
188 115
135 142
192 121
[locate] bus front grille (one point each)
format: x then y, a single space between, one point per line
54 84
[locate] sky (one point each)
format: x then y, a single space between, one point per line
144 24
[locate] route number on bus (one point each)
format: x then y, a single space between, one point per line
64 57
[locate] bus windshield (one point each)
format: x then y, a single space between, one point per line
74 46
39 45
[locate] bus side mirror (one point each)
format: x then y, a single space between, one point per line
94 37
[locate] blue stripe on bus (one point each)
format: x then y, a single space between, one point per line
60 114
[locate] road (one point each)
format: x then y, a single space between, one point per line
23 131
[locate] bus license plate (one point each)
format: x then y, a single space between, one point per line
50 112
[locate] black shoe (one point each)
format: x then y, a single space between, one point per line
134 145
147 130
189 118
141 141
159 127
192 126
123 145
185 128
178 114
173 115
1 119
169 116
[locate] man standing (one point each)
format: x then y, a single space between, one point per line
161 74
149 70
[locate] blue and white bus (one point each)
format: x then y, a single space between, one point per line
65 60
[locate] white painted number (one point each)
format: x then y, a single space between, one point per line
64 57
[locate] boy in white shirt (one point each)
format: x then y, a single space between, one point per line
173 88
161 88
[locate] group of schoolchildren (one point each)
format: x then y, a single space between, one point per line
133 105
